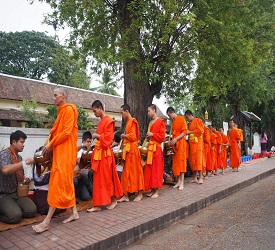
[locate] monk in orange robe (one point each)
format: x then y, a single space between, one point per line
241 140
154 168
234 139
224 151
213 139
207 161
132 179
63 145
106 184
218 149
195 139
179 128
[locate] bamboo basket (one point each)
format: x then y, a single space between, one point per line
22 189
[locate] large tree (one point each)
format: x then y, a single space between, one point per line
38 56
235 54
150 41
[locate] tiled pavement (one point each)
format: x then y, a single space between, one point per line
131 221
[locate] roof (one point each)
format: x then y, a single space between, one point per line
250 116
19 89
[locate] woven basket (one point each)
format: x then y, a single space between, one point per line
22 190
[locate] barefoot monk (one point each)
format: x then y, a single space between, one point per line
179 128
132 174
106 184
154 168
63 145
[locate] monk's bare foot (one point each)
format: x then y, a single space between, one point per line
40 228
223 172
211 175
138 198
205 177
93 209
123 199
181 187
194 181
112 206
71 218
176 186
150 194
155 195
200 181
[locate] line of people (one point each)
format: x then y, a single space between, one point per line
189 142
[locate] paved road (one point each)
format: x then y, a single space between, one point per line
244 220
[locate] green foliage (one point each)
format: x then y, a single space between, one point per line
51 115
38 56
83 122
107 85
29 110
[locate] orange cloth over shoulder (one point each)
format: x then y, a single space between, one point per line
196 144
106 182
207 161
179 126
153 173
64 143
132 175
235 157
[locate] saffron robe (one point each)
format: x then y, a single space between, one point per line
64 135
218 147
196 144
106 182
235 156
153 172
179 126
132 179
207 160
224 152
214 150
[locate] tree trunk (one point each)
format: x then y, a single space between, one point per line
138 96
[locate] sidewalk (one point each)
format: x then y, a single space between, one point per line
131 221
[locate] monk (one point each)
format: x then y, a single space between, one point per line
132 179
179 128
234 142
63 146
213 140
154 168
106 184
195 134
223 151
207 161
218 147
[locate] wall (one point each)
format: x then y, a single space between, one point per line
36 138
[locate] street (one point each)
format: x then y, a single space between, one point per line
244 220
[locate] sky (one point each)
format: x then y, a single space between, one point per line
20 15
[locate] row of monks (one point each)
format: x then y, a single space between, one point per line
204 147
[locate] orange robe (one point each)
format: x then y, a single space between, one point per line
106 182
218 147
235 157
214 151
154 168
207 161
179 126
196 144
132 174
64 135
224 152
